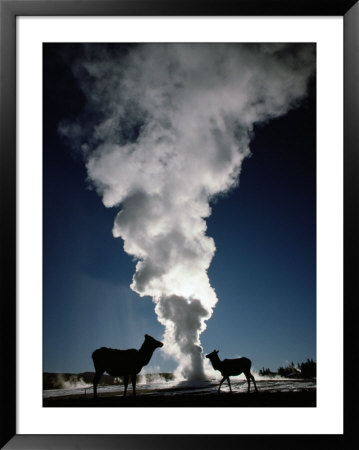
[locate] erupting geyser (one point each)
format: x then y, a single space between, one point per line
165 129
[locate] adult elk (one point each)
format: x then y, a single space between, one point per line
126 363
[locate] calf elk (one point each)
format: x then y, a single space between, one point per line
126 363
229 367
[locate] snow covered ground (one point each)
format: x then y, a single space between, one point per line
183 387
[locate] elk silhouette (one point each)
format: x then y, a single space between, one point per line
229 367
126 363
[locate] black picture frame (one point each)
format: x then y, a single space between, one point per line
9 10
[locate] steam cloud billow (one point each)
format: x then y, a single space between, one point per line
164 131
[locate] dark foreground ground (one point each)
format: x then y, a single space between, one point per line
172 398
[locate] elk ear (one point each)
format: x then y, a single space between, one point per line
217 351
146 336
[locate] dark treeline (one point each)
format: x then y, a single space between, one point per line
68 380
307 369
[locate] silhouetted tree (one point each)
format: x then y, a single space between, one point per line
264 371
308 369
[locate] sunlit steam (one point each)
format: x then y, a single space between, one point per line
165 129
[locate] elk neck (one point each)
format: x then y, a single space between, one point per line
146 352
216 362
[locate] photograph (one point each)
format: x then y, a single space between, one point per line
179 205
179 224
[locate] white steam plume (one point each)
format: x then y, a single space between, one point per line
165 129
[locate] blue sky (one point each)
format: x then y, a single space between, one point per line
263 270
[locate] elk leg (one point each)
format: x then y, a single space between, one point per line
125 383
220 384
229 383
133 379
254 382
96 379
248 381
